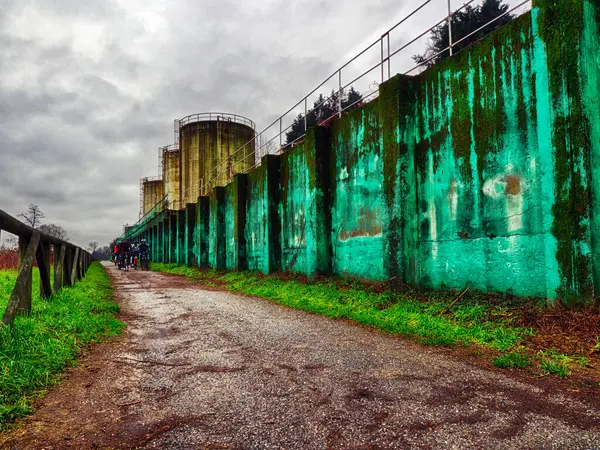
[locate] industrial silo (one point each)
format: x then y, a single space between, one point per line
214 147
170 176
153 192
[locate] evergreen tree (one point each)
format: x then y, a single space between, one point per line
322 110
464 22
352 100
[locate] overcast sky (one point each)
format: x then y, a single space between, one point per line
89 89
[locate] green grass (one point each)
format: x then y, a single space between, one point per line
551 366
37 349
511 360
467 322
554 362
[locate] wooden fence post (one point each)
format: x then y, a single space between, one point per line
43 259
75 266
79 266
20 298
68 266
25 304
59 267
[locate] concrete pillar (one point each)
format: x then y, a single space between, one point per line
397 97
321 142
566 42
160 237
166 238
191 235
173 238
236 194
217 256
203 231
181 237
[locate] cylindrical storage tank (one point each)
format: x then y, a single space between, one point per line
153 193
214 147
171 179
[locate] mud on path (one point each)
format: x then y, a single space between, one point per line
207 369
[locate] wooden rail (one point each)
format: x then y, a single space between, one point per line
70 264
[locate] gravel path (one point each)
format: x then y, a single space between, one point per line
207 369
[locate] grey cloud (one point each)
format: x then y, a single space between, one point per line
80 121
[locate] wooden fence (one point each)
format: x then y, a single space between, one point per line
70 264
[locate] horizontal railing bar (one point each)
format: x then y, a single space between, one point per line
14 226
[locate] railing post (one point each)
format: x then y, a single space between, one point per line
280 132
25 304
388 57
305 114
450 26
382 59
20 298
339 93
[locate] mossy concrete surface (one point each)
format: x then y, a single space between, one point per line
482 171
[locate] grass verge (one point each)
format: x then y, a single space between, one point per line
38 348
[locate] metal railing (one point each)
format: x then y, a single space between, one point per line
381 60
70 264
210 116
158 208
150 179
265 144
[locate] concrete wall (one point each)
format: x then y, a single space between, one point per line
482 171
486 162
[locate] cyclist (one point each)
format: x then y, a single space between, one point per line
124 248
133 255
144 254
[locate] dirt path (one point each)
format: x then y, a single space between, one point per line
208 369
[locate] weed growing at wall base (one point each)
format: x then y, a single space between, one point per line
35 351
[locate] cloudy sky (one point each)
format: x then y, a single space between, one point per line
90 88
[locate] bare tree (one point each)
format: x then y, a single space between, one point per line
92 246
264 147
103 253
33 216
54 230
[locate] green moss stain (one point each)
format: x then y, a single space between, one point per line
231 221
257 220
482 193
356 233
571 143
298 195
